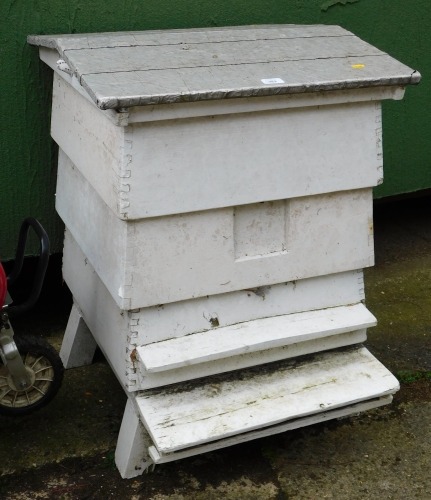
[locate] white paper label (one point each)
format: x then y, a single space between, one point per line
269 81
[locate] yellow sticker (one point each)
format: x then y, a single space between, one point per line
358 66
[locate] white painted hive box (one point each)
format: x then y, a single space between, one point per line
165 344
229 158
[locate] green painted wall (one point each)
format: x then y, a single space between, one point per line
28 156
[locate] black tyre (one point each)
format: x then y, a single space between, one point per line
46 370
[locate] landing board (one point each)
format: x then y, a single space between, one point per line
193 414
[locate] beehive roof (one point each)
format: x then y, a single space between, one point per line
124 69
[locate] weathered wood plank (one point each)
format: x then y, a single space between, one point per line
190 372
252 336
196 414
208 54
194 35
160 458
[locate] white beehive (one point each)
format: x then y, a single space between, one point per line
216 186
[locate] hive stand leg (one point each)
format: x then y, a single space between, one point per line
131 454
78 345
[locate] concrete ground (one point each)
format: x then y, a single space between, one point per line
65 451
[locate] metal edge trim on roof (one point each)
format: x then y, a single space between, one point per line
112 102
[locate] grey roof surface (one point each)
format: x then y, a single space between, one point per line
124 69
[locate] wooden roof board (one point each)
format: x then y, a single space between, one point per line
121 70
210 54
194 35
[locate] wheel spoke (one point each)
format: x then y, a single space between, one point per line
44 379
38 390
5 393
35 362
43 369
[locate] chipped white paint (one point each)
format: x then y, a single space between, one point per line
131 454
252 336
323 416
194 414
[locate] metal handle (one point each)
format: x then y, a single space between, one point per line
42 265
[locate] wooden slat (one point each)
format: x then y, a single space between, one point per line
192 414
232 363
252 336
196 35
269 431
208 54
